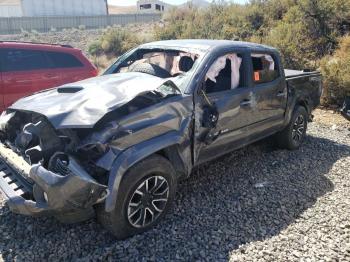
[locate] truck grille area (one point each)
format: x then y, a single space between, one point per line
14 182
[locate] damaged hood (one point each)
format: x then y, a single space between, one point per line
84 103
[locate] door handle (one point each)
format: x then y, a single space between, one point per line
246 103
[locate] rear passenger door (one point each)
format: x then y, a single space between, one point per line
68 66
25 71
269 87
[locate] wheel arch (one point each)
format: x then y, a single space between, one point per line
169 146
304 103
297 101
173 155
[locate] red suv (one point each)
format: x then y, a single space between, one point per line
26 68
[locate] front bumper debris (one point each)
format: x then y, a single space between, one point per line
36 191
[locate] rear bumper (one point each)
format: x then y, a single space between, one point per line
39 192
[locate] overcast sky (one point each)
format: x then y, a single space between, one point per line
174 2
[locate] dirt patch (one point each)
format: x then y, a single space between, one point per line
331 118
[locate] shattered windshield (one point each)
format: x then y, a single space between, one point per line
176 65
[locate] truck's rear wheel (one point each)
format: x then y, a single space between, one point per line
294 134
145 195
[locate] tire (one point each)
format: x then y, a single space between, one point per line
292 136
150 69
121 222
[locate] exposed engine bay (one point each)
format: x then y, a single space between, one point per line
33 137
55 170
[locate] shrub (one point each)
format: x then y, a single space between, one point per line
336 73
24 33
114 41
291 37
95 48
102 62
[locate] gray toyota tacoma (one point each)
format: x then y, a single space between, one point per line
116 145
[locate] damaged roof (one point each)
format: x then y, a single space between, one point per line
205 44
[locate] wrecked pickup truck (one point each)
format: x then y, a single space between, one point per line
116 145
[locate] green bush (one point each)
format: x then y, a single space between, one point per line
114 41
336 73
291 37
95 48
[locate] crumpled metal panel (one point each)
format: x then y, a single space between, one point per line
83 108
77 190
71 195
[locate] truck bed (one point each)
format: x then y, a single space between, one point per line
289 73
307 84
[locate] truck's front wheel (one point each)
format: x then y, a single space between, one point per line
293 135
145 195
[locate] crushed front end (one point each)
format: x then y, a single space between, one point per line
44 172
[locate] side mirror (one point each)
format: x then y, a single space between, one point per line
210 112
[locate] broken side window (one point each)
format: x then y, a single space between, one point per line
264 68
224 74
174 62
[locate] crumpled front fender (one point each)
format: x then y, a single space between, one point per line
77 190
133 155
70 197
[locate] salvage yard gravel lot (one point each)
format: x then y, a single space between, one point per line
256 204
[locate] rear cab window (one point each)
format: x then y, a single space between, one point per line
265 68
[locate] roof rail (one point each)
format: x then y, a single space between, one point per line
37 43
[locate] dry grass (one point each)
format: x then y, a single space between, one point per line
114 9
330 118
103 62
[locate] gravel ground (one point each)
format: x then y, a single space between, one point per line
256 204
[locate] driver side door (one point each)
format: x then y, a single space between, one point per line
235 108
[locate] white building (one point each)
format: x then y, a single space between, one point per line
151 6
9 8
30 8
